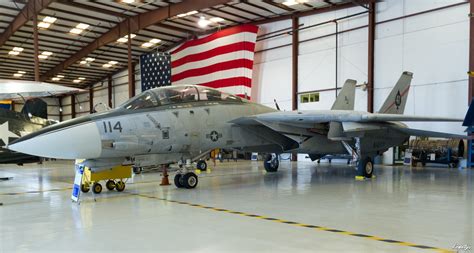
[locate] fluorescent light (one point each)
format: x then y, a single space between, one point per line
217 19
187 14
122 40
21 72
43 25
49 19
17 49
203 22
76 30
60 76
82 26
83 62
81 78
113 62
155 41
125 38
17 75
13 53
107 65
55 78
290 2
47 53
147 44
128 1
42 56
90 59
76 81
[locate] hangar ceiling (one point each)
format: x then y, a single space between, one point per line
83 42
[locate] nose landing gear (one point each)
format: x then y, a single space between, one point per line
271 163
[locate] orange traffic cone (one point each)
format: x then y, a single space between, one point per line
164 179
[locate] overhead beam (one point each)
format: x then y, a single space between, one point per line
36 45
137 22
31 9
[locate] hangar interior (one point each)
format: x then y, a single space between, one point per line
304 52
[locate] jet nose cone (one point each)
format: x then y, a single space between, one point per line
67 140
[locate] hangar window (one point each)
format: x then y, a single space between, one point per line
309 97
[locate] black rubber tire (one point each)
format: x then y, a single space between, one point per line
97 188
365 167
189 180
177 179
120 186
110 185
269 164
201 165
85 188
136 170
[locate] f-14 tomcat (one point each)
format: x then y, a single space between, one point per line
178 123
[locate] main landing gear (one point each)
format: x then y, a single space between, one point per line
364 162
188 180
271 162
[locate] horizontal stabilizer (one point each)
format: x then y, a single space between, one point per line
423 133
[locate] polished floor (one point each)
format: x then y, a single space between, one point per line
237 207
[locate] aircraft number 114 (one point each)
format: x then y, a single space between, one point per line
109 129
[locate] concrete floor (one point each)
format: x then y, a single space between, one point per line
304 207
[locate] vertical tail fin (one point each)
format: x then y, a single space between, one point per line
395 102
346 97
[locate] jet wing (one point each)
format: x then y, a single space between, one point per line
11 89
317 117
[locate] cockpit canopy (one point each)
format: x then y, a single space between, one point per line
170 95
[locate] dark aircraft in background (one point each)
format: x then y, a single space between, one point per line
32 117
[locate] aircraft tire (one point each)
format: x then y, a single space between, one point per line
189 180
97 188
365 167
120 186
177 180
137 170
85 188
110 185
201 165
270 163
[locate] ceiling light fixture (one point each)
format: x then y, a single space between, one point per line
294 2
203 22
83 62
81 78
21 72
216 19
107 65
47 21
128 1
90 59
76 81
13 53
187 14
82 26
113 62
55 79
125 38
76 31
152 42
18 49
17 75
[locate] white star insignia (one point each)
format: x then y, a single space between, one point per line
5 133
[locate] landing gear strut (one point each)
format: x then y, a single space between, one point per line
365 165
271 163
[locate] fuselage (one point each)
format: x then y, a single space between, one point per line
165 125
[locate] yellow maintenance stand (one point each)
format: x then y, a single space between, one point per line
114 178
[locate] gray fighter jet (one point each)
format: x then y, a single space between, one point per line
180 123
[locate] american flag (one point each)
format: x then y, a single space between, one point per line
155 70
223 60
